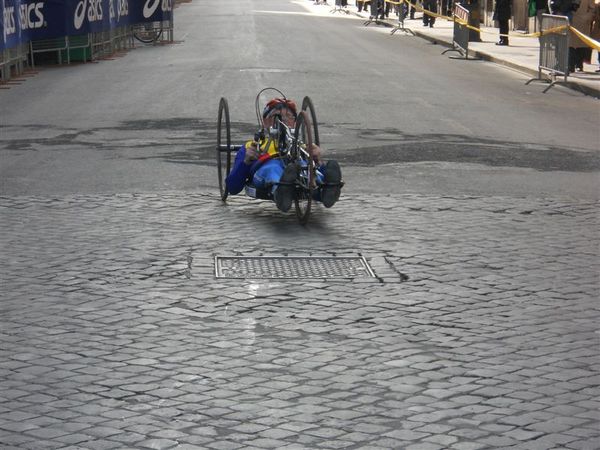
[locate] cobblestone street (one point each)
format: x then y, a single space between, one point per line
480 329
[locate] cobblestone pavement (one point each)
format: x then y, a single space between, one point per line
480 330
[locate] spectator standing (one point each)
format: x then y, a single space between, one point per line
502 13
541 8
377 9
388 8
563 7
412 4
579 51
447 8
431 6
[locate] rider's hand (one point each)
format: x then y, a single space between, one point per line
251 154
316 152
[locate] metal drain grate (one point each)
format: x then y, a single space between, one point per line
292 267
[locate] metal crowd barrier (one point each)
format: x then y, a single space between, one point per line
168 27
26 44
101 45
58 45
377 7
460 35
554 50
13 61
340 6
4 66
403 8
153 32
93 46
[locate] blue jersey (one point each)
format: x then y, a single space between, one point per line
240 172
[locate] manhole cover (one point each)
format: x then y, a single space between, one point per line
292 267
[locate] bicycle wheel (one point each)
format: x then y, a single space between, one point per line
307 105
146 33
223 146
302 154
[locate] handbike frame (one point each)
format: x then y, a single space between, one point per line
297 148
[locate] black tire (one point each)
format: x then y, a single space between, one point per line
223 146
307 105
146 33
303 155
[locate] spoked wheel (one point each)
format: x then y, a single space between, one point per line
223 146
307 105
302 153
148 33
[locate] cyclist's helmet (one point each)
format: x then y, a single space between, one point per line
279 103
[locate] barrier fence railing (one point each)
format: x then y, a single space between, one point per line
377 8
13 61
75 30
460 34
402 11
168 30
413 4
340 6
554 50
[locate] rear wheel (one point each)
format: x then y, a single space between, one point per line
223 146
302 153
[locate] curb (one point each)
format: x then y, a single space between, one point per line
574 85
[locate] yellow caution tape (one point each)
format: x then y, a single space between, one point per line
584 38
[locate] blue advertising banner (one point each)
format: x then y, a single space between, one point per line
118 11
11 31
44 19
86 16
151 10
27 20
22 21
2 33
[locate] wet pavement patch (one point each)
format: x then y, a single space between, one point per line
293 267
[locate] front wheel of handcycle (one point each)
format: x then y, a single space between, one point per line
307 105
302 154
223 148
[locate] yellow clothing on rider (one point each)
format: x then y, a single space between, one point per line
267 146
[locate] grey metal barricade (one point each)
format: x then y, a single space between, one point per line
4 67
554 50
377 7
121 38
101 44
168 30
340 6
460 35
402 13
13 61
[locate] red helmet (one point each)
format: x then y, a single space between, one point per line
279 103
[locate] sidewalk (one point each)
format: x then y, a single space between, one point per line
521 55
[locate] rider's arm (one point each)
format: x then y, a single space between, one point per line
239 173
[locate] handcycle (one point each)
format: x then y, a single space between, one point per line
294 145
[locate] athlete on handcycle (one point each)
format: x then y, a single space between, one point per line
262 170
